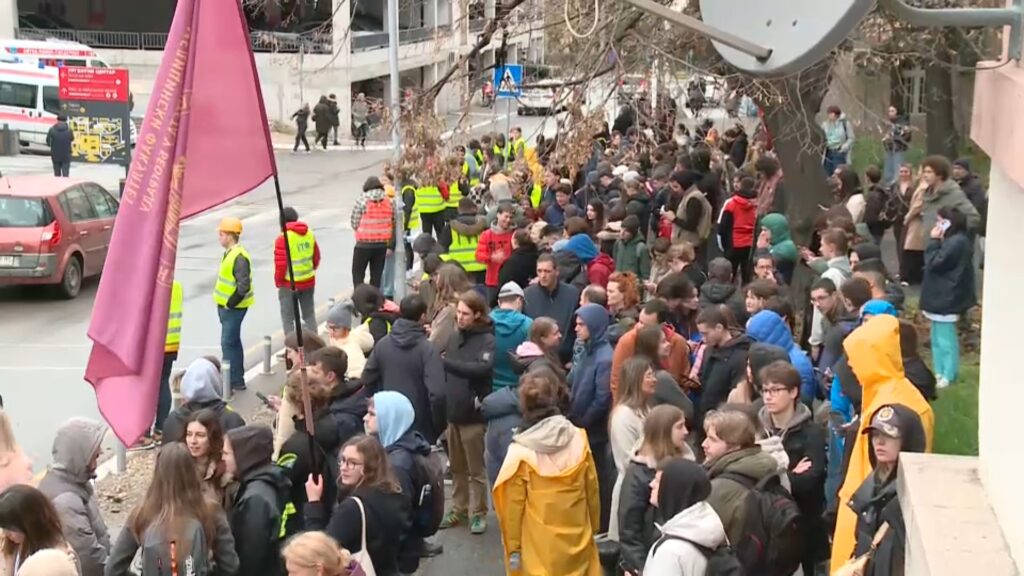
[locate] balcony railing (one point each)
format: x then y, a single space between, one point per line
363 41
319 43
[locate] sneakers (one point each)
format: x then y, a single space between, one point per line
941 383
453 519
431 549
478 525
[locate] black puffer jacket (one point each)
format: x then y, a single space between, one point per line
387 517
521 266
714 293
636 515
469 367
948 286
405 361
263 492
411 477
723 367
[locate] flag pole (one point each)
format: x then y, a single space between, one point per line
307 408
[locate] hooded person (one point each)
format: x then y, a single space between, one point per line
546 496
691 526
775 236
511 328
768 327
200 390
893 430
263 492
720 288
591 395
68 484
391 418
406 361
973 188
576 253
874 356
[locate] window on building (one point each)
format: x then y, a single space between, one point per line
912 86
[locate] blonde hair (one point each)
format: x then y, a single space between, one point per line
314 550
8 445
319 395
658 432
732 426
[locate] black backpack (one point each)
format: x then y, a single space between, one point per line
429 502
771 544
722 561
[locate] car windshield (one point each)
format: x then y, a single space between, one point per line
23 212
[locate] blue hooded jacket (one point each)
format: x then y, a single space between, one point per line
590 397
878 308
511 328
768 327
582 246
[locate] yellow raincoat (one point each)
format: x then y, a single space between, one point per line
873 351
547 501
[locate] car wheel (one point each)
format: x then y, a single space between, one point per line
520 112
71 283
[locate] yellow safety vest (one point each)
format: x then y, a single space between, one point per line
519 147
536 195
429 200
463 251
414 217
465 172
479 157
454 195
225 286
302 249
173 340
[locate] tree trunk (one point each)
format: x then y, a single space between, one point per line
942 137
799 143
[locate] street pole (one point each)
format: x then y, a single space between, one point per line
396 140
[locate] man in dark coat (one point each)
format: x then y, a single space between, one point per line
263 491
555 299
725 361
405 361
973 189
333 112
721 289
322 121
59 138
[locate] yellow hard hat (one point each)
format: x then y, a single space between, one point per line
230 224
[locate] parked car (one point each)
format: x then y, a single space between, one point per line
544 97
53 231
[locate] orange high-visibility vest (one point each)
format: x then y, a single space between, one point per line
378 222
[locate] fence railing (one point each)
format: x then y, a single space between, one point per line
363 41
261 41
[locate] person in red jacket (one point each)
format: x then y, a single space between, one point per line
736 226
494 247
305 261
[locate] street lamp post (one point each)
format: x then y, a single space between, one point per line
396 140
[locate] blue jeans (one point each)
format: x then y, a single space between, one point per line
833 160
231 343
893 161
163 404
945 350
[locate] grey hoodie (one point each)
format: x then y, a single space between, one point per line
200 388
67 485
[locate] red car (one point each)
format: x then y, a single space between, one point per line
53 231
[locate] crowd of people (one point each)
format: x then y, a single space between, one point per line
617 357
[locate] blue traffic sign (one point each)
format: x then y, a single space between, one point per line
508 81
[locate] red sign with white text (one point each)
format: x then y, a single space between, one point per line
94 84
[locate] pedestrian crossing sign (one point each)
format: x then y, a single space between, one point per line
508 81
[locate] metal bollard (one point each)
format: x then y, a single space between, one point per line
120 457
268 354
225 380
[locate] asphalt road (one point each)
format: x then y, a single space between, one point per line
43 342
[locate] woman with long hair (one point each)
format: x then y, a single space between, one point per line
317 554
665 434
204 438
372 507
30 524
174 510
849 192
451 280
541 348
546 496
15 466
654 345
626 422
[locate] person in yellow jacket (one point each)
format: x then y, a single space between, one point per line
546 495
233 294
172 343
873 352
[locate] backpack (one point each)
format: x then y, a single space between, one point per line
162 558
771 544
429 503
722 561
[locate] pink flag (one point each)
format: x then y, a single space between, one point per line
204 141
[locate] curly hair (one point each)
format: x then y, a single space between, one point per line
629 285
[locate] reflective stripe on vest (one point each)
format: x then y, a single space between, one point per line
367 322
519 147
302 249
454 195
429 200
378 222
173 340
536 195
225 287
463 251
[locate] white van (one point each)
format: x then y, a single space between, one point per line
30 102
52 53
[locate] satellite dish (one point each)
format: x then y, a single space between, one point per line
798 33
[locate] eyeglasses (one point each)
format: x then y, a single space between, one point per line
773 391
349 463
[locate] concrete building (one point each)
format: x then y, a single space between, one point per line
304 48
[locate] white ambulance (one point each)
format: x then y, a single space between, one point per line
52 53
30 102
